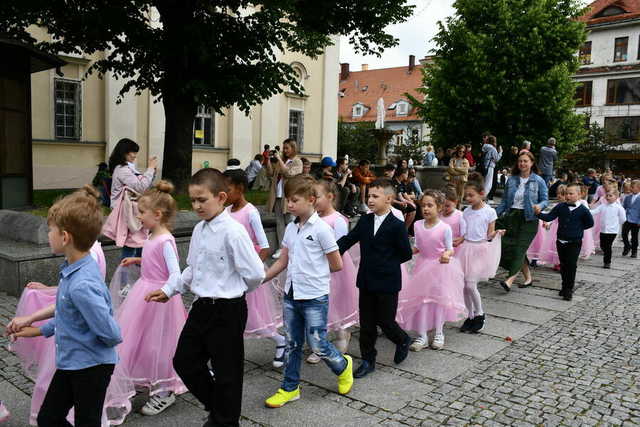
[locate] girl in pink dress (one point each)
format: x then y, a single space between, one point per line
264 316
343 293
150 332
548 254
438 281
452 216
588 242
480 252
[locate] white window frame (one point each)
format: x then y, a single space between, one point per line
357 111
402 108
203 113
77 119
298 135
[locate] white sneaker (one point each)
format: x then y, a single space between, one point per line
4 413
278 362
313 359
276 254
157 404
438 342
418 344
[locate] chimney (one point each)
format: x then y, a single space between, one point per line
412 62
344 71
365 67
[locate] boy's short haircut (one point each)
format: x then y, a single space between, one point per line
635 183
614 191
590 171
305 161
576 185
212 179
364 162
300 185
257 157
385 184
237 177
233 162
80 215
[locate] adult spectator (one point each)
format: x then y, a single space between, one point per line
525 148
524 190
591 182
125 175
458 172
490 157
348 190
254 168
233 164
546 161
306 166
389 170
447 156
413 185
440 156
326 165
265 155
430 159
363 176
402 201
469 155
553 188
285 167
402 163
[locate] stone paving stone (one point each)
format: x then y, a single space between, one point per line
17 403
517 311
480 346
551 302
180 413
367 389
310 410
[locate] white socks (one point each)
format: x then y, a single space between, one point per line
472 299
280 342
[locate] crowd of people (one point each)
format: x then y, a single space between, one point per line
111 342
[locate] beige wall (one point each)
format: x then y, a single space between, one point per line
70 164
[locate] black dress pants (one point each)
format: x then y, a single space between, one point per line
627 228
606 244
568 254
214 332
83 390
378 310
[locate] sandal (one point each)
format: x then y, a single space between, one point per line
526 285
504 285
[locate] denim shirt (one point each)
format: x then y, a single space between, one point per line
85 331
536 193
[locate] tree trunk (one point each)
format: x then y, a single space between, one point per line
179 113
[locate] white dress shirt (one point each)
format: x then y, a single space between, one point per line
222 262
378 220
518 198
612 216
308 269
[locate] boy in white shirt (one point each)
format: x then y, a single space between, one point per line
612 216
222 267
310 254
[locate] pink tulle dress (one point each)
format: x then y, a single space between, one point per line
457 224
264 316
548 253
480 259
435 293
343 293
38 355
535 248
588 241
150 331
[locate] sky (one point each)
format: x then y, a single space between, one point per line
414 36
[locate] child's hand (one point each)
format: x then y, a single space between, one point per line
416 250
36 285
17 324
156 296
28 332
546 225
129 261
457 241
536 209
445 258
501 232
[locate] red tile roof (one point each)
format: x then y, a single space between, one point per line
389 83
630 7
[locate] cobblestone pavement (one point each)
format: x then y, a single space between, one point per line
569 363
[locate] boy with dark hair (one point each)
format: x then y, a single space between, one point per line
384 245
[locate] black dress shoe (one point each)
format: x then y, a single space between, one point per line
634 254
626 251
504 285
364 369
561 293
567 297
402 350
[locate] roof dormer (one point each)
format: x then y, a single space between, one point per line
358 110
611 11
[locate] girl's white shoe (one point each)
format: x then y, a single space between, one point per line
4 413
157 404
418 344
438 342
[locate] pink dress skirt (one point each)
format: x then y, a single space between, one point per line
343 296
480 260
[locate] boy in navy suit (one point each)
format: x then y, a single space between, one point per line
384 245
631 205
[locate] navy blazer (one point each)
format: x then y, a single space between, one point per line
380 255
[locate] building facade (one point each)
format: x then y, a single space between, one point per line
609 74
77 122
361 90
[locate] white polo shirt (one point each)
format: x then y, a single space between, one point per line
612 216
308 268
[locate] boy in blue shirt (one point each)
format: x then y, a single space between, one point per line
86 333
631 226
573 219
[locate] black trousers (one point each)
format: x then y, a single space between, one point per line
627 228
568 254
83 390
494 185
378 310
214 333
606 244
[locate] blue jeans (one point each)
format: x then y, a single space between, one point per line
547 178
307 318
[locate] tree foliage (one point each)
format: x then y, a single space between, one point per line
218 53
357 140
505 66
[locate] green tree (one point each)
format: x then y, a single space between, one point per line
592 151
190 52
357 140
505 66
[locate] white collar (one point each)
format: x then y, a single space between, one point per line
133 167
